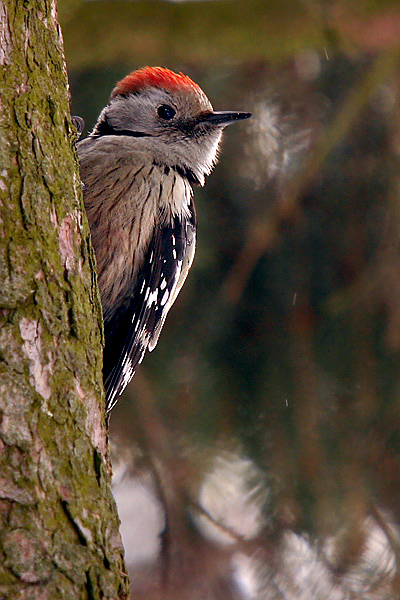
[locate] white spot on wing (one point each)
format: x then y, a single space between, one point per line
152 298
127 371
164 298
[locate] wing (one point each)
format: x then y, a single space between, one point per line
137 328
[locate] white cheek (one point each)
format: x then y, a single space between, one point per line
212 153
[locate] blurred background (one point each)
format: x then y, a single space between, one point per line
257 450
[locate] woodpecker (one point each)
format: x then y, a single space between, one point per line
157 138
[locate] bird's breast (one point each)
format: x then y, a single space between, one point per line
151 199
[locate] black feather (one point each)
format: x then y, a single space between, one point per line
130 331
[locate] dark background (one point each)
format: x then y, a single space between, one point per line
257 450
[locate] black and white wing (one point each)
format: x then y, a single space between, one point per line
137 328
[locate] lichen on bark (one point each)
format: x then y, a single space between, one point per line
58 523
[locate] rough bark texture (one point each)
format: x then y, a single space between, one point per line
58 523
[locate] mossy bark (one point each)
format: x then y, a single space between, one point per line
59 533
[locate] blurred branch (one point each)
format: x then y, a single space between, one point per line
262 232
166 32
359 96
132 33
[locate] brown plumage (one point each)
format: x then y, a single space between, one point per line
156 138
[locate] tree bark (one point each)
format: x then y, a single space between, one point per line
59 533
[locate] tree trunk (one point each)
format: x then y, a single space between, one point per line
58 522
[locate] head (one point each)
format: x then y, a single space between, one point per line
173 111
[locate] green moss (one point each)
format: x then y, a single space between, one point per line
54 483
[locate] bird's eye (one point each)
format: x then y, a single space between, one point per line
166 112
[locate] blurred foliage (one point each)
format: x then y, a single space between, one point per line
283 348
100 32
172 32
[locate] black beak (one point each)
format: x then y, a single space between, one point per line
224 117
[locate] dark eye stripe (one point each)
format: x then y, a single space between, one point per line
103 127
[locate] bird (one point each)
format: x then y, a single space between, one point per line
156 139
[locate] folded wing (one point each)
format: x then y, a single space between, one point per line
136 327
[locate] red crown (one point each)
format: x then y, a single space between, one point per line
154 77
